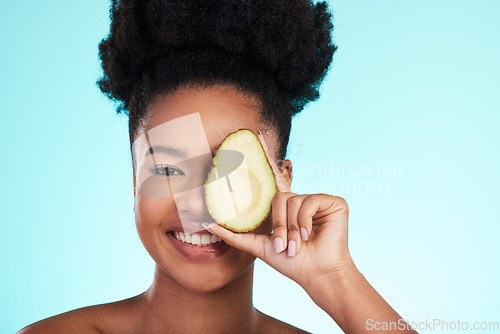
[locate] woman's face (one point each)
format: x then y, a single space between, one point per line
193 122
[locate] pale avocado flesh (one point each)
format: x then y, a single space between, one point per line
241 184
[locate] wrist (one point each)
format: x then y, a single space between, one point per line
334 283
333 274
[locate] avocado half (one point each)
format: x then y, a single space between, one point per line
240 185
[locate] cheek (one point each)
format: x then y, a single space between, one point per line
153 214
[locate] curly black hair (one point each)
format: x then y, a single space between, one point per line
277 50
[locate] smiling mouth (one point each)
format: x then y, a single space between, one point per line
197 239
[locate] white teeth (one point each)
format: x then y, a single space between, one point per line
197 239
205 239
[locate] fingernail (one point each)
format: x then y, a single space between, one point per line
278 245
303 233
291 248
205 226
208 226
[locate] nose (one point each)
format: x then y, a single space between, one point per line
191 204
189 190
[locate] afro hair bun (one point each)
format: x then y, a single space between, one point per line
290 40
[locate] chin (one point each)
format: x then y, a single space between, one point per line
203 286
208 279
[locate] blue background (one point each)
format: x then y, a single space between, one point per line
411 104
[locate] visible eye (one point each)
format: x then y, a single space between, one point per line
166 170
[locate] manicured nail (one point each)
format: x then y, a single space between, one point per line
208 226
278 245
303 233
291 248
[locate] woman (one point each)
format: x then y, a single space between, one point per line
188 73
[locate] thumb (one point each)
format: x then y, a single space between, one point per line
248 242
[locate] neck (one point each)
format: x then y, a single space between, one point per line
170 308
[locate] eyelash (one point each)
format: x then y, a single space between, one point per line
164 170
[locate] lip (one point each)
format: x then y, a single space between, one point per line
194 252
189 228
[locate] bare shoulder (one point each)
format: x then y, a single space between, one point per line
95 319
76 321
274 326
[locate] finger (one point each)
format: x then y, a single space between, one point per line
304 216
293 229
279 218
249 242
323 206
281 182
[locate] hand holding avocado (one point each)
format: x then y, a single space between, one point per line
309 236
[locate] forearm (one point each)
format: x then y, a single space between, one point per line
354 304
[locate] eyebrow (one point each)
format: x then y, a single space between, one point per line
167 150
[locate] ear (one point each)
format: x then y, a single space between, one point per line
285 167
134 181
